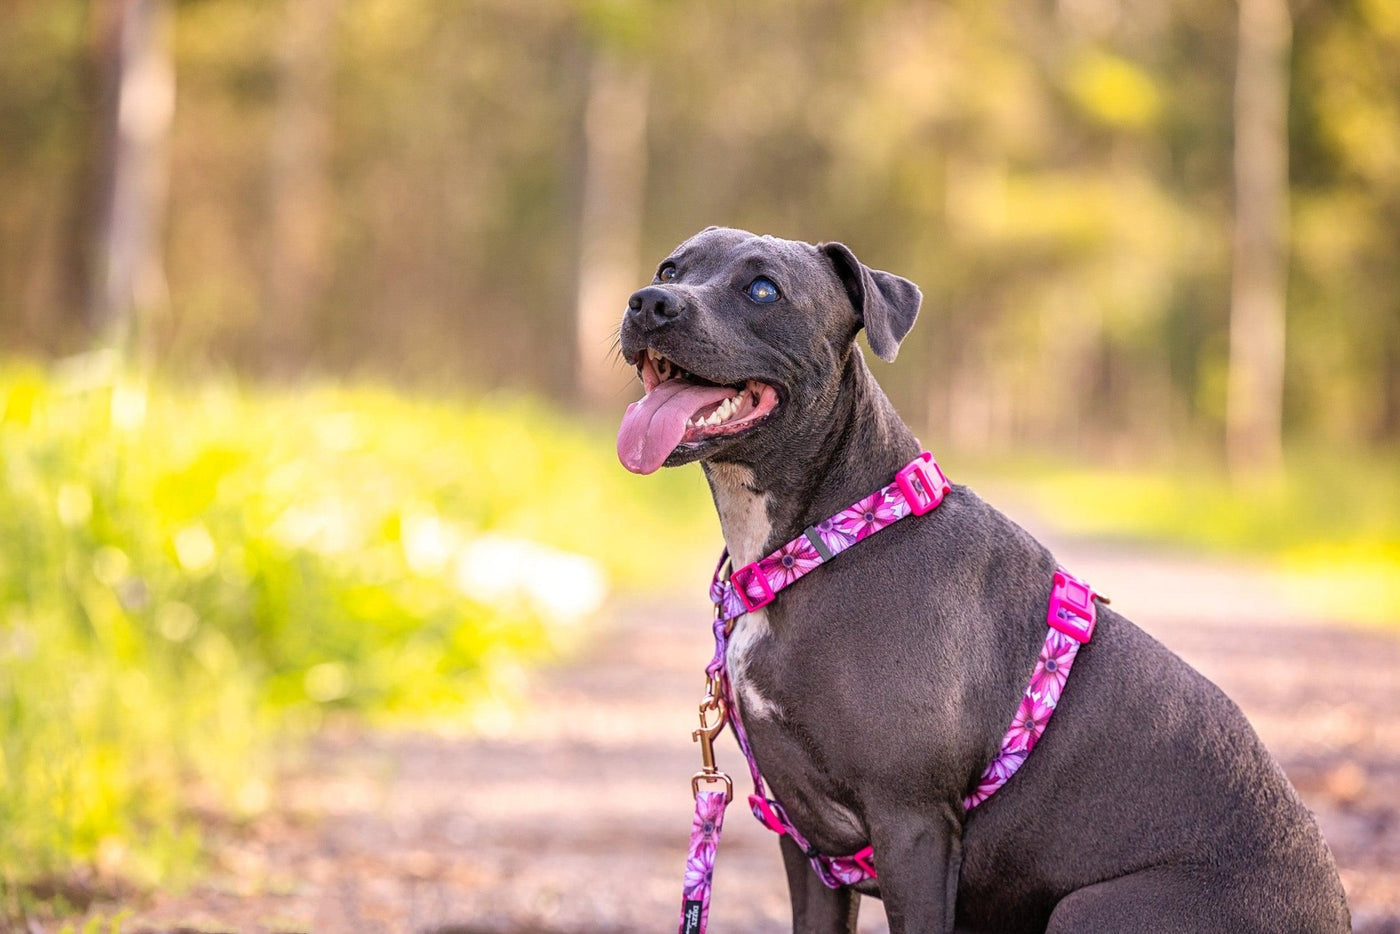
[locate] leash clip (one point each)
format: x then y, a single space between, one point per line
705 736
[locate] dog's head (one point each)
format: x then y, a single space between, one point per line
738 335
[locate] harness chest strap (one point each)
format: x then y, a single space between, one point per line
918 488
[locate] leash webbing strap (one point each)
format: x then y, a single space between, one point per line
700 861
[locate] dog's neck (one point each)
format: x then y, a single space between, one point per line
848 451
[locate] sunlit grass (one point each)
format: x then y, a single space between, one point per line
189 570
1331 521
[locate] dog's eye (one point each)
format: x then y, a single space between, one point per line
763 291
667 272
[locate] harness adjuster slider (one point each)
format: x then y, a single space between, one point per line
923 484
752 573
763 810
1072 610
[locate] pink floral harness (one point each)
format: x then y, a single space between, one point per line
918 488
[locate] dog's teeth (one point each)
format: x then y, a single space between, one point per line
655 357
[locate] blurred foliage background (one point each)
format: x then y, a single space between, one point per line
307 309
400 188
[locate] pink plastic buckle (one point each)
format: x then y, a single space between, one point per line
919 489
1072 609
865 859
741 578
764 812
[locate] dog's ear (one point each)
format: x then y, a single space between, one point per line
885 303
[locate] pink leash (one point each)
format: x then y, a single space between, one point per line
700 861
918 488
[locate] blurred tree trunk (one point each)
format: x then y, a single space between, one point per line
298 257
1254 414
614 187
1389 428
129 287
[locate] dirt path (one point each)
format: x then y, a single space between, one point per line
573 817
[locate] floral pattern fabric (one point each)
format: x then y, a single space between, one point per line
872 514
790 562
844 869
700 859
783 567
1037 704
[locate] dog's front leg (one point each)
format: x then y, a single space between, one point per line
816 909
918 856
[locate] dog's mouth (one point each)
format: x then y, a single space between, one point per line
681 408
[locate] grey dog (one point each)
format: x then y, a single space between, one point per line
876 689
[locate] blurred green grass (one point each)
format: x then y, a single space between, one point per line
1331 521
187 571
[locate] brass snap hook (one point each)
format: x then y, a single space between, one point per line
713 715
710 708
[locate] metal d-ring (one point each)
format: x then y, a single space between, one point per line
716 776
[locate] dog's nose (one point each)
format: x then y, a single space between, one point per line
653 306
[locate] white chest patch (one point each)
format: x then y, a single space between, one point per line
743 514
743 518
749 630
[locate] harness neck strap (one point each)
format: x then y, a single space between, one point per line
918 488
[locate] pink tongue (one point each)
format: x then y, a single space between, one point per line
655 424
